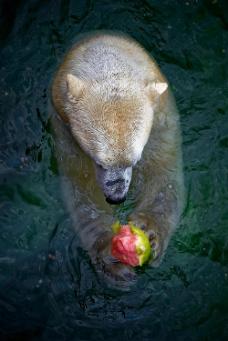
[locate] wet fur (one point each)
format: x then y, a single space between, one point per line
157 183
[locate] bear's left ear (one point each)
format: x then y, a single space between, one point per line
75 85
158 87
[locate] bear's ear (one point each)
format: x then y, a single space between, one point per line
158 87
74 85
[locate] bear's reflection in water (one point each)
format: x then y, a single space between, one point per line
157 180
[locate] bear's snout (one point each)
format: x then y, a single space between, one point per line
116 190
114 182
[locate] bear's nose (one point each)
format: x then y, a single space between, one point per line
114 182
115 201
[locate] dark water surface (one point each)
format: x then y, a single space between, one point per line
48 289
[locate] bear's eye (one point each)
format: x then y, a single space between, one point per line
100 166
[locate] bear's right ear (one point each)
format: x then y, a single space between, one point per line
75 85
157 87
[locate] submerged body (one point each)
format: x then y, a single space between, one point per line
117 113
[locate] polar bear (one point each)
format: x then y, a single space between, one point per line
117 127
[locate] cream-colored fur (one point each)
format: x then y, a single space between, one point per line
116 103
107 87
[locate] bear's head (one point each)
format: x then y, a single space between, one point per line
111 119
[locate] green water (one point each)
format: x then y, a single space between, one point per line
48 289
